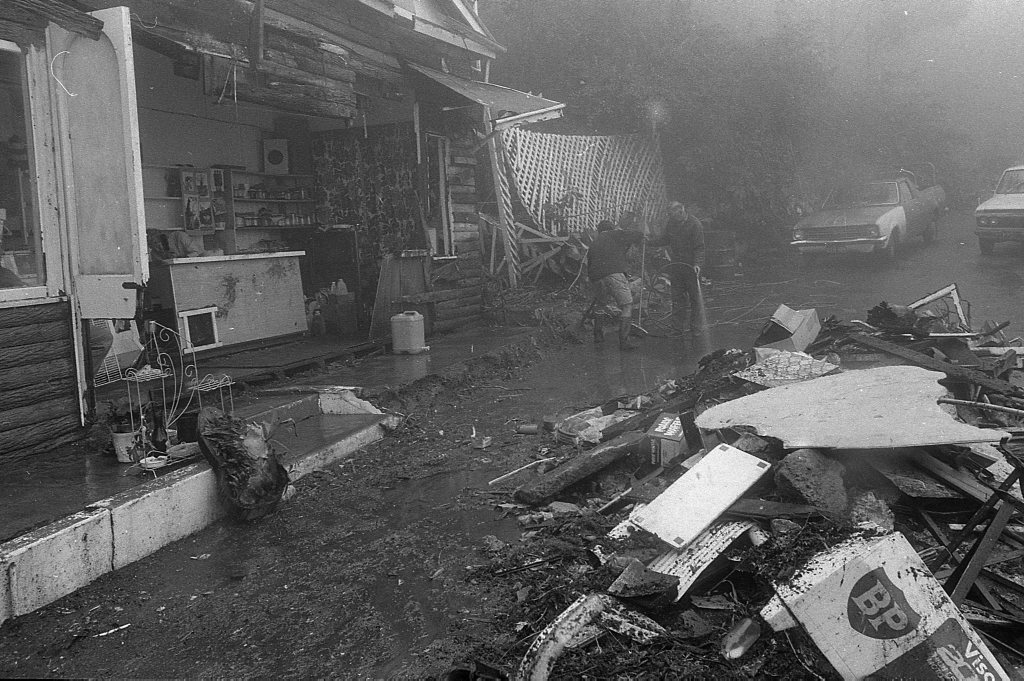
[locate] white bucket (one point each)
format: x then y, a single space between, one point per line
407 333
123 446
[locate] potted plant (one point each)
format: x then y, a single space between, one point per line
125 420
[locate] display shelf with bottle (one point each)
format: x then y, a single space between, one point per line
266 203
184 198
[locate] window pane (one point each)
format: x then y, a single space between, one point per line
21 254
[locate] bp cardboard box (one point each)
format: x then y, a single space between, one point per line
667 439
789 329
874 610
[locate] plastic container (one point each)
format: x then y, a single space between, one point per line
407 333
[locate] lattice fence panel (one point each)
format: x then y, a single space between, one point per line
569 183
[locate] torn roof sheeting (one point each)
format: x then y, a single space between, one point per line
884 407
509 107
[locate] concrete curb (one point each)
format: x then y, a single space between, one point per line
53 561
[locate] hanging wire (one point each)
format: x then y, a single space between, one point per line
54 75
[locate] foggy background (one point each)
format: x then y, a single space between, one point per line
762 104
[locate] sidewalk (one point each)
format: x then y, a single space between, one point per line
90 518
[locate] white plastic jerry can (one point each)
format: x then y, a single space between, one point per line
407 333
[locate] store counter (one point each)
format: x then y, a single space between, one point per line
229 299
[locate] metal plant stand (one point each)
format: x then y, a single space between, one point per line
169 377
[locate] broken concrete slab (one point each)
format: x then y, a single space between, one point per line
870 512
694 501
874 610
885 407
813 478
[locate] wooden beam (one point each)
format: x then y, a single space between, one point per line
578 468
256 35
951 370
20 33
224 77
66 17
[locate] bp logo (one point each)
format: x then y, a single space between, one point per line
877 608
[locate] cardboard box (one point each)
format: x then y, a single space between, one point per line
789 329
874 610
667 439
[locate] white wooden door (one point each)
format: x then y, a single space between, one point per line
94 89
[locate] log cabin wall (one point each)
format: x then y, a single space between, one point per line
459 285
38 407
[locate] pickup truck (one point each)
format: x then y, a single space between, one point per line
1001 218
871 217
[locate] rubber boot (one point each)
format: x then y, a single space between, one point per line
625 341
598 329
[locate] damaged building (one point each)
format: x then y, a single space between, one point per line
227 169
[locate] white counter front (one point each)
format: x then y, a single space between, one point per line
248 296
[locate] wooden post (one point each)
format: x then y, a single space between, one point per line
256 36
502 193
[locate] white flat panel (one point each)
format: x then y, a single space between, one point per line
694 501
886 407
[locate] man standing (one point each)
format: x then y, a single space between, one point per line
684 236
606 269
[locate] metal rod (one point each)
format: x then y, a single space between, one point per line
982 405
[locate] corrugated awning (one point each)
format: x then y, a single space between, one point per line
509 107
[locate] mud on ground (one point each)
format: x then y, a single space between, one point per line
389 565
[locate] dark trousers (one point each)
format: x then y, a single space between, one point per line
686 295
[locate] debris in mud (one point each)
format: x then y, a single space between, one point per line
866 529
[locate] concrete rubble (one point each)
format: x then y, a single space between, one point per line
813 513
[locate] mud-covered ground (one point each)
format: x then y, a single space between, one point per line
398 563
403 561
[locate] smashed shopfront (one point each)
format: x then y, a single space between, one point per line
215 169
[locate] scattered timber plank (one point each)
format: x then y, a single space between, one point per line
970 568
964 482
951 370
582 466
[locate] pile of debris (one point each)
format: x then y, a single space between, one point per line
789 513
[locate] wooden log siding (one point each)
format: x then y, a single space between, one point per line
38 401
37 13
